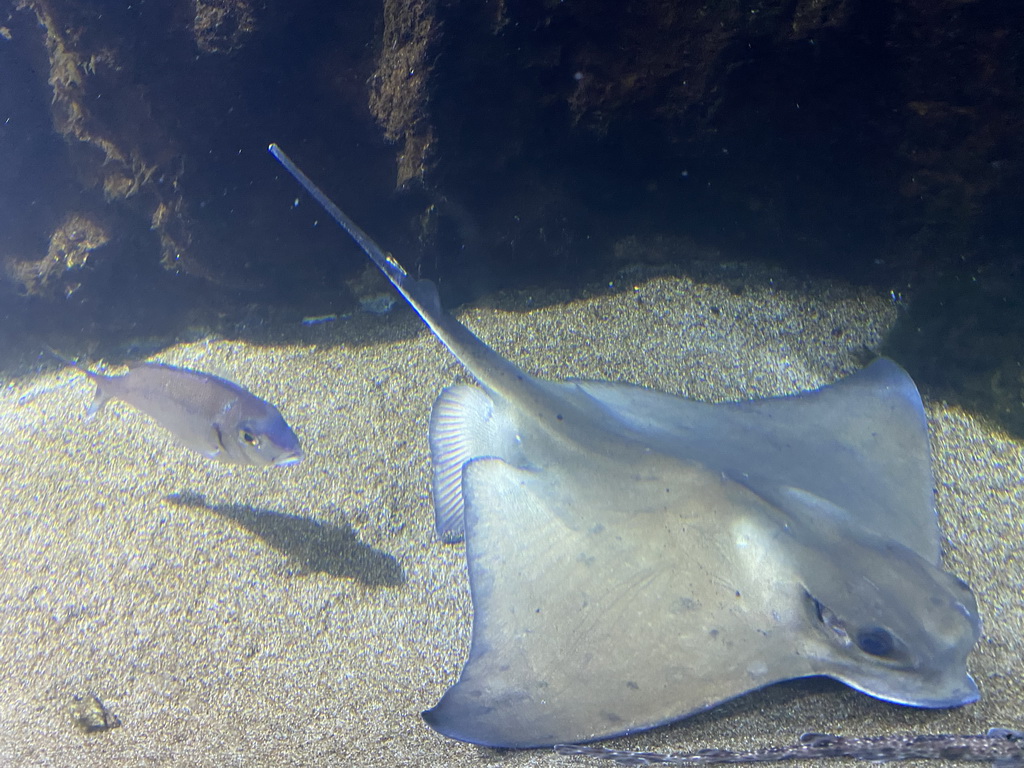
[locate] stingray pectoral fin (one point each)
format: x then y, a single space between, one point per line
599 609
500 693
861 442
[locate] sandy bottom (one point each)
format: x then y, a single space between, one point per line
233 616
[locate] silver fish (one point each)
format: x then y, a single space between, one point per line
205 413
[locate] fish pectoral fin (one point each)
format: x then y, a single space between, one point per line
215 444
209 443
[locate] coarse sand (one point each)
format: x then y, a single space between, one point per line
234 616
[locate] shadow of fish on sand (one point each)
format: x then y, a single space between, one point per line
319 547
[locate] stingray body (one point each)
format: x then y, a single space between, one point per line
636 557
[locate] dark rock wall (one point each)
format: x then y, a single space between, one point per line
495 143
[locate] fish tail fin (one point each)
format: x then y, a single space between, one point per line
101 397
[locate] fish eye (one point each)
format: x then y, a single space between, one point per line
250 438
876 641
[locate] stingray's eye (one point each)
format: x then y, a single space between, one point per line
250 438
877 641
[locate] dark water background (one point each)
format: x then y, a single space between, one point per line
498 145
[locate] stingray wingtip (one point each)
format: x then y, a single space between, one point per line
478 726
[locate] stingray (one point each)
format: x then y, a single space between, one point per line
636 557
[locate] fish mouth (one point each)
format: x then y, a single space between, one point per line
288 459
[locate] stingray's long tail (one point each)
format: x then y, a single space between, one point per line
67 361
485 364
416 292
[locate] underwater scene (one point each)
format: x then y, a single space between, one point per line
407 383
